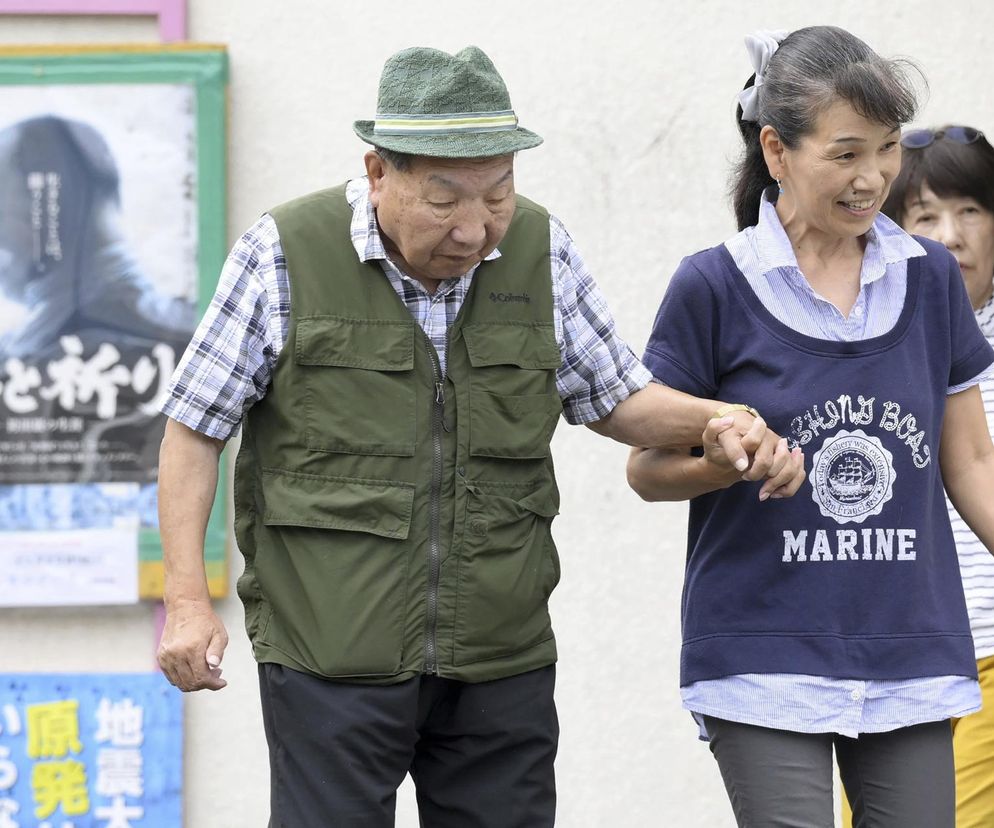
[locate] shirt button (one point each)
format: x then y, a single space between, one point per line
856 695
858 311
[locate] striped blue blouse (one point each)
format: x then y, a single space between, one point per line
816 704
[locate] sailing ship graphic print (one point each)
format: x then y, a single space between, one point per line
852 476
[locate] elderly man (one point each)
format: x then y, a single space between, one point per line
399 350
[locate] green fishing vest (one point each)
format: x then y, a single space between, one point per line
395 522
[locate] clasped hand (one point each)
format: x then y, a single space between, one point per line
741 447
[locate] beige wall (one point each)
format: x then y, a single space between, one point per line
634 100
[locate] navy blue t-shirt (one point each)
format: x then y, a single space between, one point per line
856 576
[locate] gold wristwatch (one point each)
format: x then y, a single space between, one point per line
728 409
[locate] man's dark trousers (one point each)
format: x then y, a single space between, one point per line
481 755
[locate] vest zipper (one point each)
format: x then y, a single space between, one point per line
434 513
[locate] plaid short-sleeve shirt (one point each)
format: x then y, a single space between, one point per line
231 358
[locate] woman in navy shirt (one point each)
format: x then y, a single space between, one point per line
836 618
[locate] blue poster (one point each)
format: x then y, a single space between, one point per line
90 751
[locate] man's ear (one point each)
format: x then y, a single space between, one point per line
773 151
376 170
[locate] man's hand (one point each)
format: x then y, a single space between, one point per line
192 646
194 638
745 443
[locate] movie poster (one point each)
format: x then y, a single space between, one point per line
111 240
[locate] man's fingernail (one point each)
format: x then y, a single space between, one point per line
763 496
213 660
741 464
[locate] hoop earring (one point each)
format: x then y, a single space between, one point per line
779 185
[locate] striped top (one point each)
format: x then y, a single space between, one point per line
976 563
766 258
818 704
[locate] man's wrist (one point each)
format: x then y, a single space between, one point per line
185 590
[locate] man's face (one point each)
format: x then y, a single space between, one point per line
443 216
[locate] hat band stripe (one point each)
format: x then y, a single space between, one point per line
445 124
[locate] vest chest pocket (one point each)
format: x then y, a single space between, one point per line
359 384
514 405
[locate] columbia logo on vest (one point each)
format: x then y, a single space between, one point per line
510 297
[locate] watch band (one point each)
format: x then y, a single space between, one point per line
728 409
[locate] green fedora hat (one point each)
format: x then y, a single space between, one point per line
444 106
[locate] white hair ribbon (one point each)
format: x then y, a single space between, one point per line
761 46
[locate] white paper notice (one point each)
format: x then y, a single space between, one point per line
82 566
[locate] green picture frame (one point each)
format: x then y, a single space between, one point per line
189 72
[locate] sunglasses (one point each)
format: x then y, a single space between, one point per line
921 138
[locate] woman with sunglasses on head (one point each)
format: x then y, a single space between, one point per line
836 618
945 191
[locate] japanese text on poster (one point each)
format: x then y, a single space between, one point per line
90 751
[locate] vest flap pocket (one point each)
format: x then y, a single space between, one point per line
541 502
378 507
373 344
358 379
512 426
512 343
508 567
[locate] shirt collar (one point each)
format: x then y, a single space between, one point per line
886 244
365 230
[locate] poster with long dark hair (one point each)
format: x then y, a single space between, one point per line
112 207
